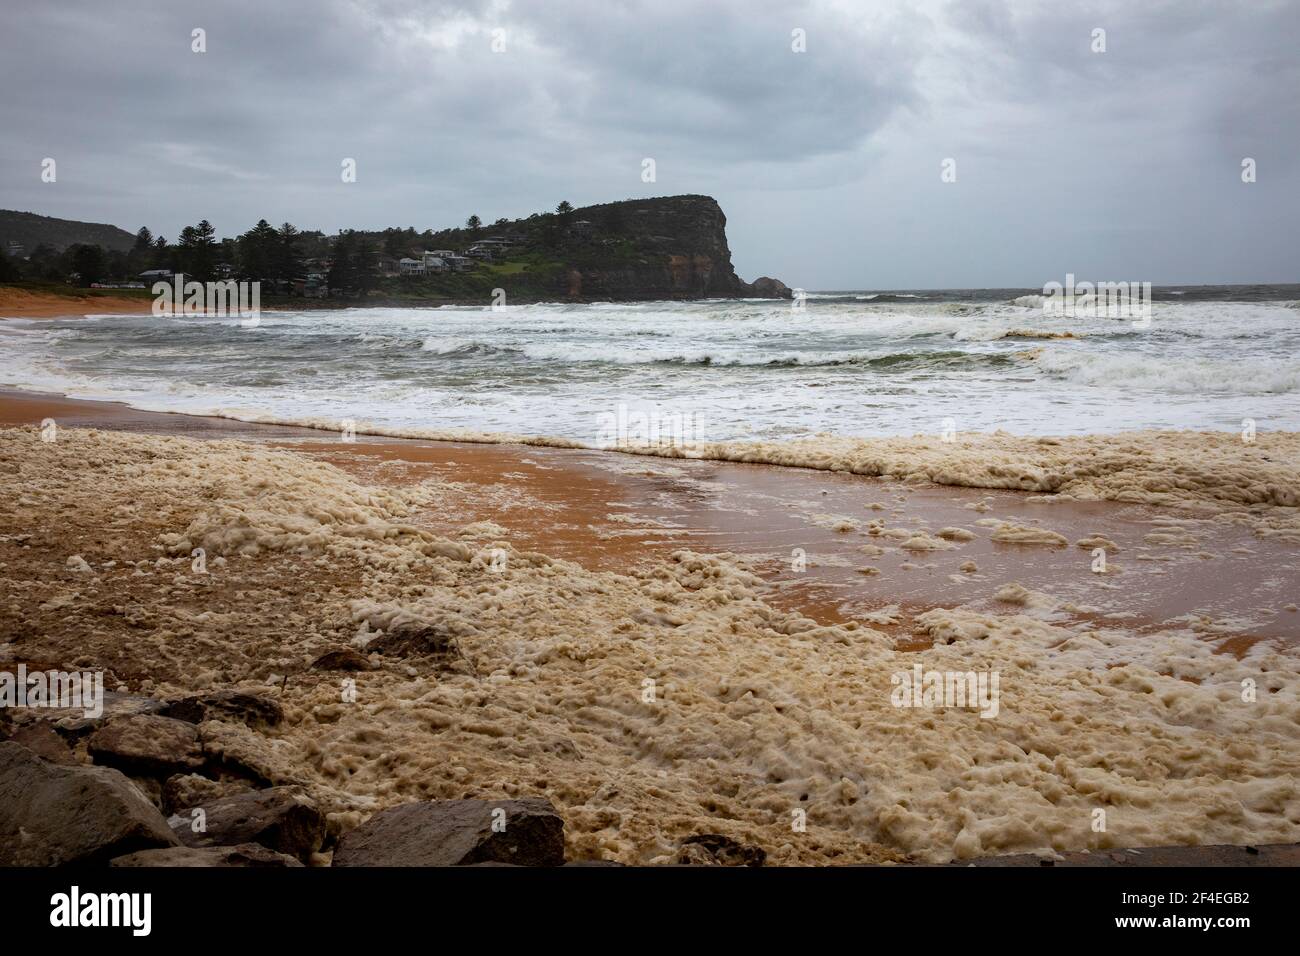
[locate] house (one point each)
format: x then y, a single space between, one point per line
459 263
436 261
16 249
386 265
412 267
311 286
495 245
582 228
155 275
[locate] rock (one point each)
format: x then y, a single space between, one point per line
457 833
714 849
52 815
74 723
253 709
281 818
182 791
244 855
43 740
151 788
414 641
342 659
768 288
147 745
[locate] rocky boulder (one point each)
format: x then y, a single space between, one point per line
252 709
342 659
714 849
148 745
52 815
524 832
43 740
282 818
769 288
244 855
182 791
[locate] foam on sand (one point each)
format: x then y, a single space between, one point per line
663 703
1215 473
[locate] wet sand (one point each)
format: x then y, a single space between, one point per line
613 512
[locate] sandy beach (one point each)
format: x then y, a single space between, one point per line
666 646
26 304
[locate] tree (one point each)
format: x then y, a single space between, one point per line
205 245
343 276
143 240
88 263
564 208
288 258
258 252
365 267
198 250
161 256
473 224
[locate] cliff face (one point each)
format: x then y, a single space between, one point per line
666 248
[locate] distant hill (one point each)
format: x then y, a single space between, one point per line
32 230
668 247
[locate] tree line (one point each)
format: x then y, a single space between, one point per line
265 253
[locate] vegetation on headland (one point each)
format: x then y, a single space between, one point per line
671 247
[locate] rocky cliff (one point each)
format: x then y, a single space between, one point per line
673 247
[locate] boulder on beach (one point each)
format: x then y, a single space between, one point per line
42 739
147 745
53 815
253 709
342 659
185 790
284 819
714 849
525 832
243 855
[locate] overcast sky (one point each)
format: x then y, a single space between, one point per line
1116 165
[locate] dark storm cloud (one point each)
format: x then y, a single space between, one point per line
1123 164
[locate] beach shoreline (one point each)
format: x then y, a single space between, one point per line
739 590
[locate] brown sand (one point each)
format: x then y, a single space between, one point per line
615 512
25 304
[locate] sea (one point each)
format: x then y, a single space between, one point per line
856 363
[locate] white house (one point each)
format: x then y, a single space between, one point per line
411 267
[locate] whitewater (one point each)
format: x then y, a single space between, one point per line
856 364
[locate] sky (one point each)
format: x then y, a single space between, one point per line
852 145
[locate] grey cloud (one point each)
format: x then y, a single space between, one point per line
826 162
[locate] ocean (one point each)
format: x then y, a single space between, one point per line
848 363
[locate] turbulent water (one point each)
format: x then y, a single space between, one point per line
850 363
